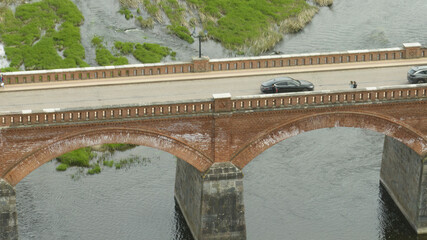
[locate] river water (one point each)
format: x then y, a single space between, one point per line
322 184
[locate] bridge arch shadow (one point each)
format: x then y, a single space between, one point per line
333 182
392 128
38 157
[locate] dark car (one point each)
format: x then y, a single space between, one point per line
286 84
417 74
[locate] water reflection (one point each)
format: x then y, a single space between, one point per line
392 223
323 184
181 231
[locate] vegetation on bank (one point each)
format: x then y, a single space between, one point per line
79 157
43 35
103 56
46 35
324 2
145 53
90 159
243 26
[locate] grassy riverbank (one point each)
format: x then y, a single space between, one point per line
46 35
243 26
43 35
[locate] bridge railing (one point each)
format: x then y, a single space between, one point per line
56 116
207 106
408 51
318 98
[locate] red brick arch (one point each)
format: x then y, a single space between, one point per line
38 157
390 127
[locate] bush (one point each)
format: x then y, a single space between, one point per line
97 41
79 157
126 12
124 48
145 56
62 167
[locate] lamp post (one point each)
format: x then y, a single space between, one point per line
200 41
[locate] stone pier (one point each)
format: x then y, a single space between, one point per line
211 202
404 175
8 216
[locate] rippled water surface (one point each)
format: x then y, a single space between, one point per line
347 25
323 184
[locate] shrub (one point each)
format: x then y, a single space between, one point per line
126 12
124 48
62 167
145 56
79 157
97 41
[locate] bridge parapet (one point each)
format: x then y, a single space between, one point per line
319 98
220 103
58 116
407 51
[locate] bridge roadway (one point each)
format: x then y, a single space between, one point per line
215 138
188 86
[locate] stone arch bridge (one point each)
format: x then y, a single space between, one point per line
214 139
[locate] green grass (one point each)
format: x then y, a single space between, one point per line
181 32
62 167
240 22
152 9
124 47
146 52
145 23
175 14
117 147
240 25
96 169
104 56
125 11
108 163
79 157
89 162
31 40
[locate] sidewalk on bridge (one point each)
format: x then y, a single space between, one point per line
214 74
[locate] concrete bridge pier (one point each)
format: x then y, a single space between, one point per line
8 215
404 176
211 202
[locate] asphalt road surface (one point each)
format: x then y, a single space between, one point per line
75 95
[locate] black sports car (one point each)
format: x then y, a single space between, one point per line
286 84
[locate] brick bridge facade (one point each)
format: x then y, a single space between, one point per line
214 139
204 64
